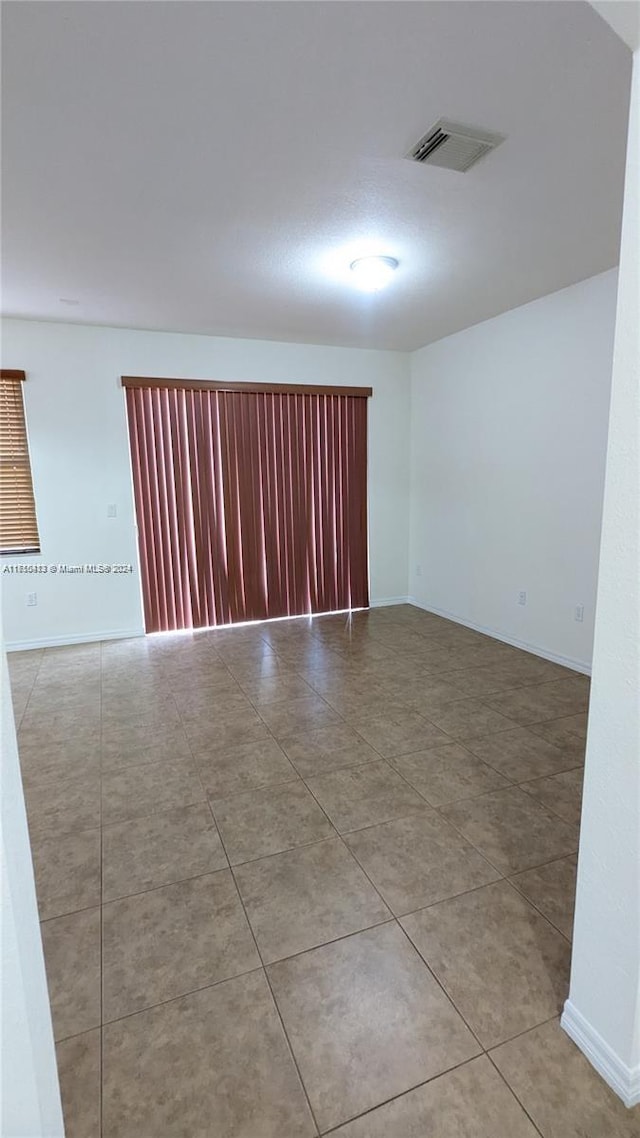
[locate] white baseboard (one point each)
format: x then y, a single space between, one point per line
82 638
382 602
566 661
624 1080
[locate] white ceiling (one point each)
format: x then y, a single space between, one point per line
213 167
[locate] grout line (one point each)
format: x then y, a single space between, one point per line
442 987
269 985
569 939
400 917
170 1000
401 1094
508 1085
525 869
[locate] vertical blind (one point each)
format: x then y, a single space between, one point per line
250 504
18 524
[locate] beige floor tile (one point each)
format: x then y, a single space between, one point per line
328 749
62 719
216 1061
223 690
400 734
366 1021
535 703
364 796
246 766
72 957
216 738
346 679
277 689
552 889
143 726
227 711
418 860
356 706
424 692
250 671
19 701
236 653
141 723
555 731
445 774
529 669
512 830
269 820
79 1061
504 966
559 1088
470 1102
223 701
41 736
298 715
149 788
132 703
67 871
436 658
154 747
146 853
569 729
561 793
58 762
173 940
469 718
63 807
521 755
306 897
474 683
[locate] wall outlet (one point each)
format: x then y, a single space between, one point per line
112 511
418 570
579 614
32 599
522 597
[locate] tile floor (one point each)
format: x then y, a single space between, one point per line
310 877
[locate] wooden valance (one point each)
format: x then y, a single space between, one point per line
255 388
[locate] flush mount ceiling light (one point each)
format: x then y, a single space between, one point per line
373 273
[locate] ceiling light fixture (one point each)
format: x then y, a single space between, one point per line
373 273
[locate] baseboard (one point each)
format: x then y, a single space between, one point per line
82 638
384 601
624 1080
566 661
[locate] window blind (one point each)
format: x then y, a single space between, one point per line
18 523
250 503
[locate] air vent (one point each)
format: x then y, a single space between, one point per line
453 146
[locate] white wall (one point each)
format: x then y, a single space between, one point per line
603 1011
80 458
509 428
29 1089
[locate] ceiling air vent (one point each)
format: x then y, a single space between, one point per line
453 146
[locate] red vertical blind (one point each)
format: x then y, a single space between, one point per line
250 503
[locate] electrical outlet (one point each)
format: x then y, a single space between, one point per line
579 615
112 511
522 597
32 599
418 570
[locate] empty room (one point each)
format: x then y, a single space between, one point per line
320 565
